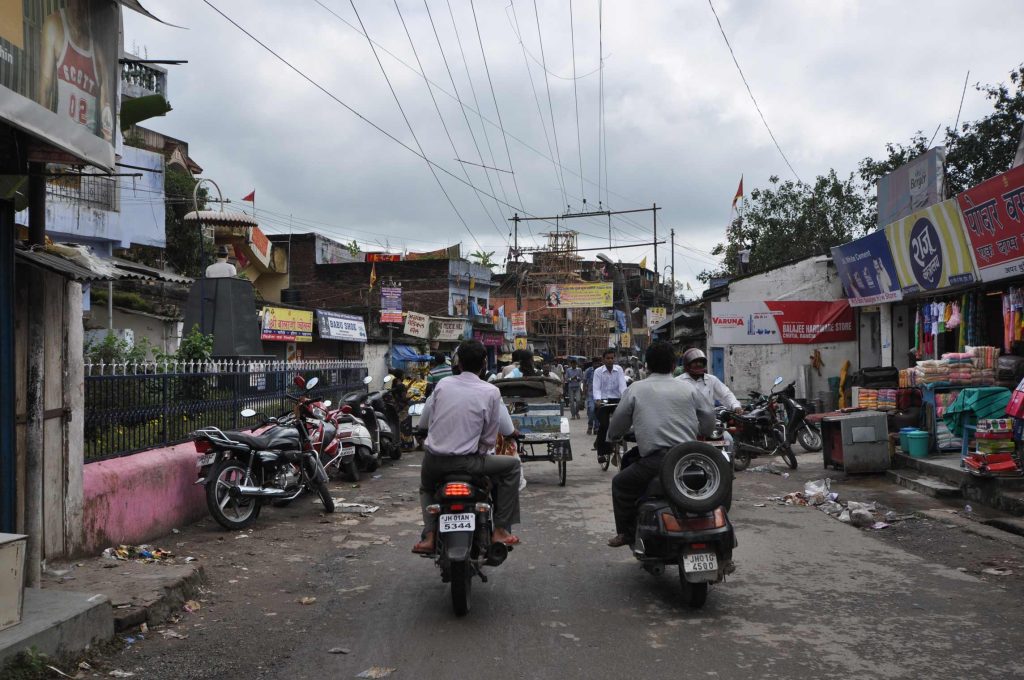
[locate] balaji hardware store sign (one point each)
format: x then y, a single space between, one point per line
777 322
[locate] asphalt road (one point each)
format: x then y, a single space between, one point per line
811 598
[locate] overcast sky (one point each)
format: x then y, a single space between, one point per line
835 80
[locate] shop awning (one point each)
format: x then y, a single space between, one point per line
402 353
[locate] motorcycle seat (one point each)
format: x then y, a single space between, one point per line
275 438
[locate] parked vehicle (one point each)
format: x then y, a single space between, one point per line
763 431
386 412
365 430
798 428
241 470
332 435
683 519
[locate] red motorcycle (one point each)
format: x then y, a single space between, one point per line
331 433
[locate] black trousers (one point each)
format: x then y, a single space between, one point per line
628 486
603 416
504 472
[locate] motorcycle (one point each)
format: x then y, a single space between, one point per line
364 427
799 429
763 431
241 470
465 523
333 436
386 412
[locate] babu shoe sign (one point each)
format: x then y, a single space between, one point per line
776 322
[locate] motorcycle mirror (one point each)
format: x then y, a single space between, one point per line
388 379
312 382
247 412
367 380
778 381
327 403
299 382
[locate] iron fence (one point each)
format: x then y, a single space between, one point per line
134 407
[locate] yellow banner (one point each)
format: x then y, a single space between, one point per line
519 342
288 325
930 249
576 295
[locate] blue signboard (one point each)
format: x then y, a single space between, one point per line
867 270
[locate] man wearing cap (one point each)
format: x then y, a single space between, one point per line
221 269
695 366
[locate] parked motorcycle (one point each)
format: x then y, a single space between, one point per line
241 470
365 427
799 429
763 431
386 412
332 435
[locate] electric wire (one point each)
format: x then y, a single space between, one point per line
576 99
547 86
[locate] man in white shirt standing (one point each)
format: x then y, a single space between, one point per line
221 269
463 417
609 385
713 389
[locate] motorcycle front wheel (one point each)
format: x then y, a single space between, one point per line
231 512
462 586
809 437
788 456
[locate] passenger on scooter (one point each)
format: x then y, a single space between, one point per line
713 389
463 417
663 412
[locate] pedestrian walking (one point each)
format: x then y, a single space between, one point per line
573 383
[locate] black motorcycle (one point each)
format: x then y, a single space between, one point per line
798 428
763 431
241 470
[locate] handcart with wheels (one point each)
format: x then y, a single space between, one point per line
537 412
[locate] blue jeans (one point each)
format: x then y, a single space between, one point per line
591 414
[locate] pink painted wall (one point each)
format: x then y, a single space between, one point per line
139 498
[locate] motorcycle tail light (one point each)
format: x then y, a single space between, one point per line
203 445
715 520
457 507
457 489
434 509
346 409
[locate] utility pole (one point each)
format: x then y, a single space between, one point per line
672 323
654 213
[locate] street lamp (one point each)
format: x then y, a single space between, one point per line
620 281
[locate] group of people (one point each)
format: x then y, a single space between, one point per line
464 415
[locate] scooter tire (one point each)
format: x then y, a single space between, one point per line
462 587
700 463
809 437
694 594
396 452
351 470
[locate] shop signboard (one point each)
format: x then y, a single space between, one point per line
417 325
519 323
781 322
930 249
383 257
993 215
59 74
287 325
488 338
345 327
391 304
911 187
655 316
572 295
519 342
867 270
446 329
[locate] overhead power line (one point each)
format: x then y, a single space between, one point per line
547 86
576 99
751 93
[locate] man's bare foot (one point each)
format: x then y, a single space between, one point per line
426 546
503 536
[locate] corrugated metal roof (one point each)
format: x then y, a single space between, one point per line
220 217
59 265
133 270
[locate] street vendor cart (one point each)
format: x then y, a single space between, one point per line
536 409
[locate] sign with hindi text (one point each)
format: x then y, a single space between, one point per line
781 322
287 325
575 295
993 215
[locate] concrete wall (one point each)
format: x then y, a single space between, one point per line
375 358
137 498
754 367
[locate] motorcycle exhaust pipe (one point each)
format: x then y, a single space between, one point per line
496 554
257 491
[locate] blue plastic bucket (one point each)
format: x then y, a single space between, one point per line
917 444
904 442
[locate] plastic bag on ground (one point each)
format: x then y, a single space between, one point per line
817 491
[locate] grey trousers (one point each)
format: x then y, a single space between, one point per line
628 486
504 472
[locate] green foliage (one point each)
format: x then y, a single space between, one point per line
195 346
28 665
114 350
186 250
353 248
484 258
125 299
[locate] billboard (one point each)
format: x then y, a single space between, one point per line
519 323
655 316
446 329
930 249
575 295
346 327
288 325
417 325
391 304
59 73
993 215
867 270
383 257
781 322
911 187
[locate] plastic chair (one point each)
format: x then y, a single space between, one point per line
970 426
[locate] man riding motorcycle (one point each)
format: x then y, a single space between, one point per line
463 417
714 390
663 412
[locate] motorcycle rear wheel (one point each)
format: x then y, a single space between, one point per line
462 586
694 594
243 511
809 437
351 470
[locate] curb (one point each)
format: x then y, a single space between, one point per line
975 527
171 599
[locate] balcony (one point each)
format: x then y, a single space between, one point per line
94 191
141 80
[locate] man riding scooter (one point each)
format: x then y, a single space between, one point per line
714 390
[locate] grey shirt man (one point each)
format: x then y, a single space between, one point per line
663 412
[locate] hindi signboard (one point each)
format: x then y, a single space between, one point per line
576 295
345 327
778 322
446 329
930 249
993 215
519 323
287 325
417 325
391 304
383 257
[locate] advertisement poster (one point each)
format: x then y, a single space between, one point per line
287 325
489 339
930 249
383 257
59 73
519 323
346 327
575 295
391 304
781 322
520 342
993 215
446 329
655 316
459 305
417 325
867 270
911 187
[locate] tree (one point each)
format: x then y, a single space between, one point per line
484 258
187 251
791 220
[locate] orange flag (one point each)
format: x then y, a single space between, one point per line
251 196
739 193
373 275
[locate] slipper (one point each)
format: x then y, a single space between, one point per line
422 550
511 540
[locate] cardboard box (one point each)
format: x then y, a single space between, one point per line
12 578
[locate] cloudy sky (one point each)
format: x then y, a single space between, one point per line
835 80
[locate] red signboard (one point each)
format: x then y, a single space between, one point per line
383 257
488 339
994 218
775 322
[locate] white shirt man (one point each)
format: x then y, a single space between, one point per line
713 389
609 381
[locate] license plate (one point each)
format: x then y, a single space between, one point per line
700 562
206 460
463 522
